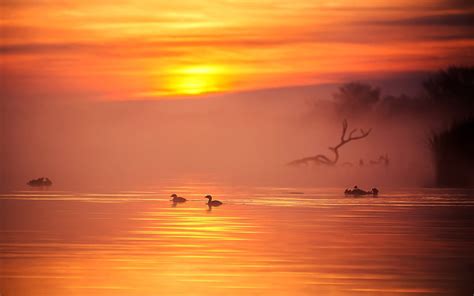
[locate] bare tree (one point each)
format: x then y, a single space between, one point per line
323 159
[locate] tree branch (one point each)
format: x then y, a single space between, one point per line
323 159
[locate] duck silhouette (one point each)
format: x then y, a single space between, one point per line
212 203
177 199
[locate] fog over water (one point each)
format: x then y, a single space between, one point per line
107 226
235 138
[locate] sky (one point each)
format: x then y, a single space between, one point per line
136 50
93 90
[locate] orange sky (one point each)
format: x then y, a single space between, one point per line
153 49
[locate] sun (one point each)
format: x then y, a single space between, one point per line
196 79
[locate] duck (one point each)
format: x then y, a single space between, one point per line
358 192
213 203
176 198
40 182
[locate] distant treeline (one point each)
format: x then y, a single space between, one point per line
449 92
447 96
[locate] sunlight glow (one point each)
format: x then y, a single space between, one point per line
176 49
197 79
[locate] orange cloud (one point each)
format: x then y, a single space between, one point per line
119 48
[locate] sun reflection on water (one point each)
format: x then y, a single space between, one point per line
260 242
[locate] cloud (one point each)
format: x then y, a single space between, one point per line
30 48
454 20
462 4
117 48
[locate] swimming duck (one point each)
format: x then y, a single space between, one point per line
214 203
176 198
358 192
40 182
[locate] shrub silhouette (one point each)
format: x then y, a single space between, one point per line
355 98
453 154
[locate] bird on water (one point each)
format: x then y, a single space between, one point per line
176 198
214 203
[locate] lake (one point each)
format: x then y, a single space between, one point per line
261 241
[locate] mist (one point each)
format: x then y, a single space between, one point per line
242 138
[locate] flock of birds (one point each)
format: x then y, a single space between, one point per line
211 203
215 203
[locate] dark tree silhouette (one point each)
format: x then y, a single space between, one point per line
452 92
452 89
323 159
355 98
453 154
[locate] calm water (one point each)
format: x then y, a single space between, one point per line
262 241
